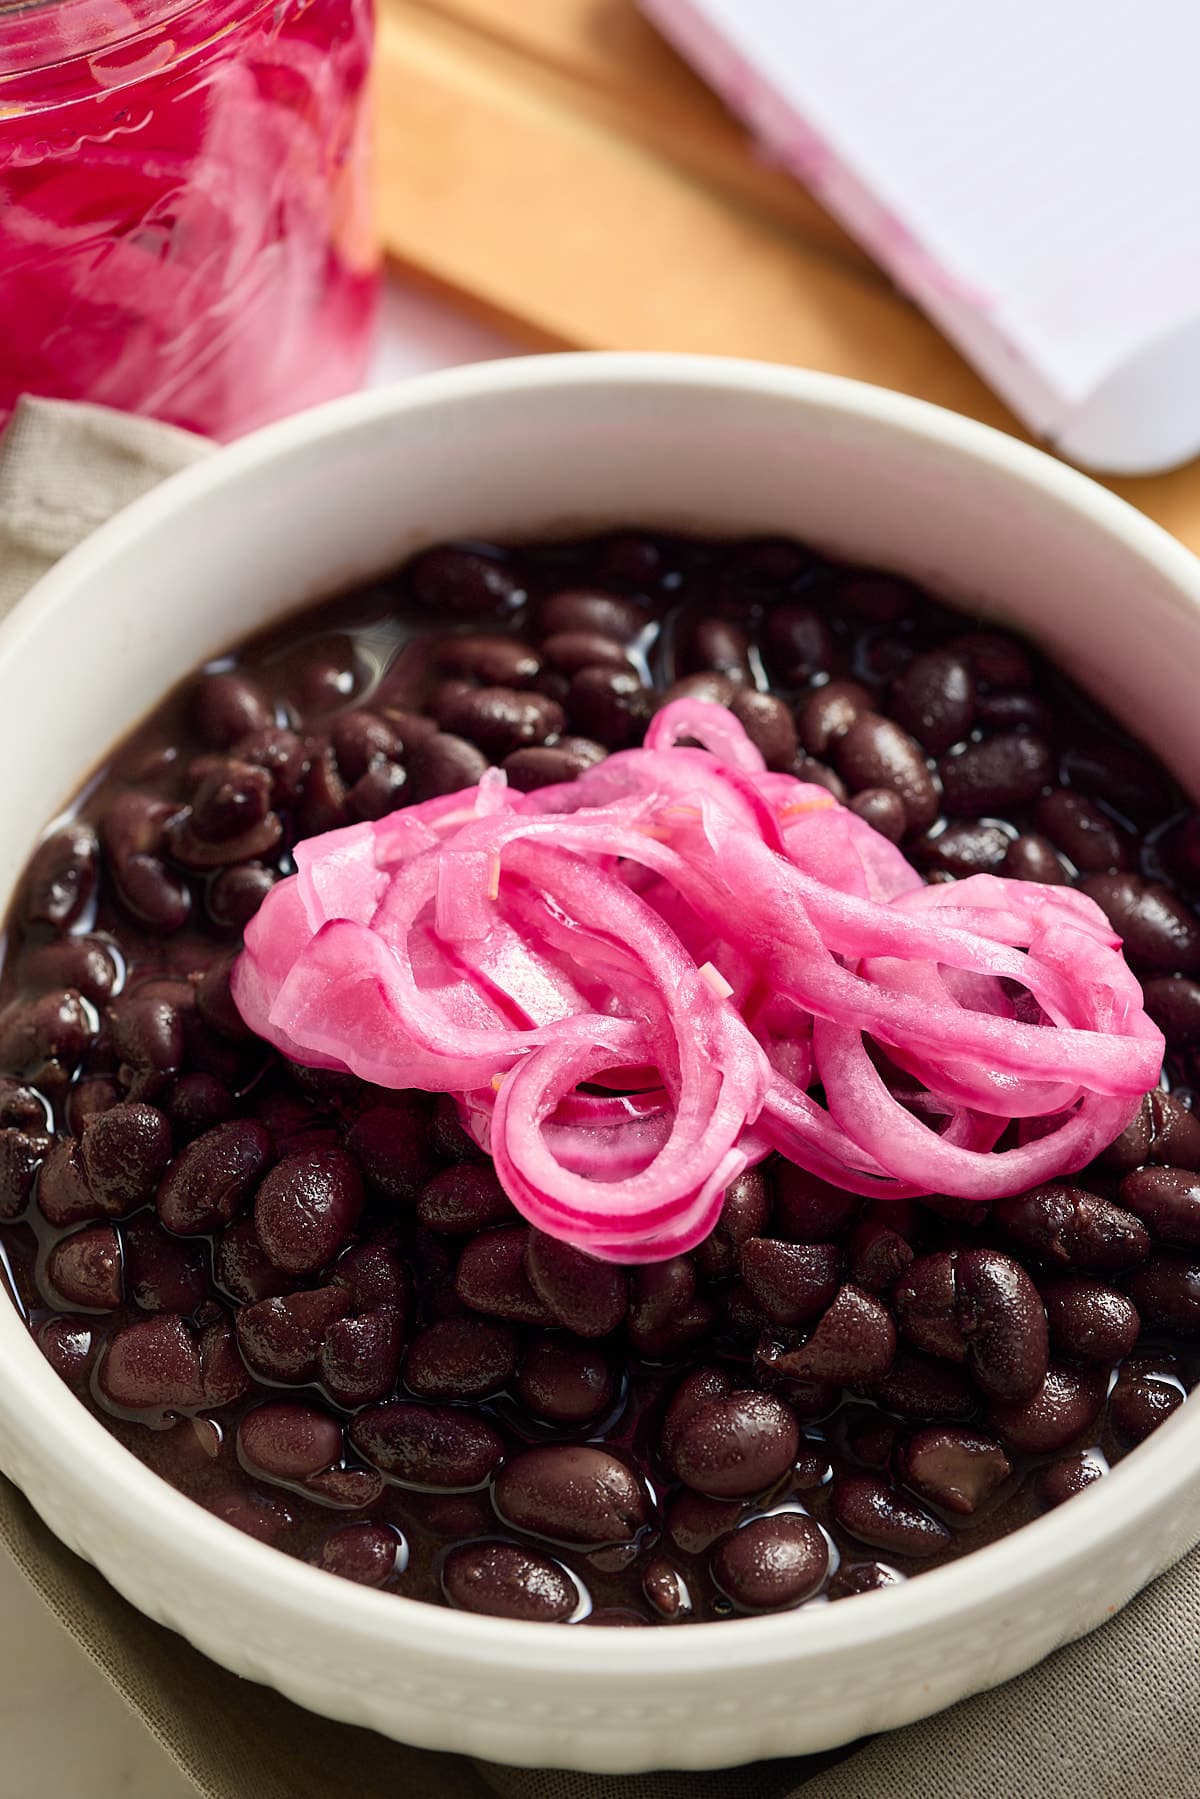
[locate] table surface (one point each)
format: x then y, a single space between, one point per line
64 1730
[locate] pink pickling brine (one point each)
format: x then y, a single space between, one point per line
185 205
639 983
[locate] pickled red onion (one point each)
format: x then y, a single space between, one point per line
718 940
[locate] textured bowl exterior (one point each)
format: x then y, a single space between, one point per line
563 443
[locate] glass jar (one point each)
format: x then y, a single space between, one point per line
186 224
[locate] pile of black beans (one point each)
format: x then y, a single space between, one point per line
308 1303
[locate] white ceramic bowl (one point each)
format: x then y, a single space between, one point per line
506 450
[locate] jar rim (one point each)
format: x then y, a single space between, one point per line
46 34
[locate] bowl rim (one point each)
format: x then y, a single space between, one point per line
991 1580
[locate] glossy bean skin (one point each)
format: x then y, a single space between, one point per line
772 1562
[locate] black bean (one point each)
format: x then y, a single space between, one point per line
152 894
695 1390
979 847
565 1383
666 1590
547 765
1140 1402
734 1447
306 1208
362 742
287 1441
378 792
284 756
745 1210
772 1562
1034 858
878 1256
491 1277
605 614
695 1523
21 1107
666 1313
87 1099
705 684
161 1273
1061 1480
501 719
816 774
365 1552
54 1028
1089 1321
1069 1227
21 1156
790 1281
443 764
854 1341
768 724
1068 1403
934 699
1161 934
464 1199
147 1032
998 775
226 706
884 599
243 1268
466 581
61 877
807 1209
63 1195
427 1445
862 1577
1015 709
714 643
828 714
85 963
997 659
1162 1129
280 1338
231 799
956 1469
869 1509
1168 1201
875 752
123 1152
1174 1005
1121 777
390 1143
926 1303
85 1268
569 651
1084 834
211 1180
323 805
1003 1323
460 1358
1166 1291
609 705
237 893
572 1493
69 1345
491 660
503 1581
883 810
359 1357
152 1366
796 645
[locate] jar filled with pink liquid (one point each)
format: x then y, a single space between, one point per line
185 205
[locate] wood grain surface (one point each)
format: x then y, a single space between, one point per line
558 170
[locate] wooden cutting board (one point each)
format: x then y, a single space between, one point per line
559 171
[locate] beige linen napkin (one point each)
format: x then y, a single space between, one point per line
1111 1717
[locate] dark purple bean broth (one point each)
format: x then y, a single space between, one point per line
308 1304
